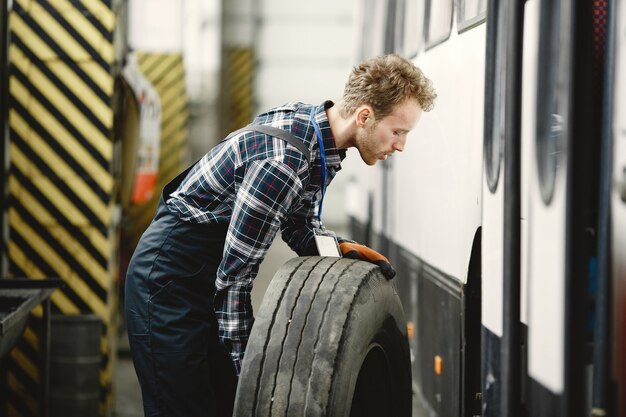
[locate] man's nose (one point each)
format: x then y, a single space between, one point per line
399 145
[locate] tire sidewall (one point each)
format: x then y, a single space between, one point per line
376 318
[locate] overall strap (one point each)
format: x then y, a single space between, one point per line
268 130
277 133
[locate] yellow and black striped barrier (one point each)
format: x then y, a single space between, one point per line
61 184
237 88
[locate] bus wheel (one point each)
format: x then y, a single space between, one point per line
328 340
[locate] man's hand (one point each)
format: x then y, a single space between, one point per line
356 251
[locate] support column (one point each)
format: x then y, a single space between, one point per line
238 62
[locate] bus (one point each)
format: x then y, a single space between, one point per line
505 215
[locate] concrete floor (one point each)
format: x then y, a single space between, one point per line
127 395
126 392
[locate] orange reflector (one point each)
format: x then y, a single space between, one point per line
145 183
438 365
410 330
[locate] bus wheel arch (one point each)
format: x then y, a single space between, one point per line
472 329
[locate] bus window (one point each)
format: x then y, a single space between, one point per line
470 13
413 33
495 96
551 98
439 22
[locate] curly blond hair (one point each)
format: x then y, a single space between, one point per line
384 82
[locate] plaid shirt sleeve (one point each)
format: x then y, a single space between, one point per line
297 230
268 189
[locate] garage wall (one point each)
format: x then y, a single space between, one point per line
305 51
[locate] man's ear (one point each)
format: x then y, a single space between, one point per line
364 114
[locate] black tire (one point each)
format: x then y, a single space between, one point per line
328 340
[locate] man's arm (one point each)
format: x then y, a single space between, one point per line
297 229
267 191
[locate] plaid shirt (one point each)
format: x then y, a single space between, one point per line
257 184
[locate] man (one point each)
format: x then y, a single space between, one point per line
188 284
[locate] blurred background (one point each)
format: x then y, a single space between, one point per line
106 101
518 285
240 58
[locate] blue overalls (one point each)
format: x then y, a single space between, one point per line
182 367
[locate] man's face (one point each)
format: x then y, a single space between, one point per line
377 139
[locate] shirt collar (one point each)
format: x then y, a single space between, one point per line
333 155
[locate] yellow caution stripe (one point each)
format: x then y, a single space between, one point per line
237 82
61 185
